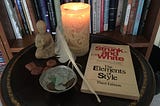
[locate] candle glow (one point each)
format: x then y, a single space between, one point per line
75 22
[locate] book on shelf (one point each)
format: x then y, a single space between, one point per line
132 16
98 15
93 16
37 10
24 21
124 25
32 13
144 16
138 17
102 16
27 15
42 4
13 18
110 71
113 5
52 16
106 11
119 12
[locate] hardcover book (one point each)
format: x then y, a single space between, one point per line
138 17
113 5
110 71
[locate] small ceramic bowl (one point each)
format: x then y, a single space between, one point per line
58 79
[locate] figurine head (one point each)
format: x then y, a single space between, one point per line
41 26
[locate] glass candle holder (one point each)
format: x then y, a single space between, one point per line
76 22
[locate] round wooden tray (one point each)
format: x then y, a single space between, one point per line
19 87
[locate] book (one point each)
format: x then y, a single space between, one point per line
42 4
102 16
144 16
27 15
132 16
52 16
98 15
126 19
32 14
19 5
106 11
119 13
110 71
113 5
13 18
37 9
138 17
94 16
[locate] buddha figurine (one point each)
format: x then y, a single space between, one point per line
44 42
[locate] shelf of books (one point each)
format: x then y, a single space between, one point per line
131 21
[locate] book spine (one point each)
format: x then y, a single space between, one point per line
52 17
132 16
18 2
6 23
94 16
19 19
37 9
44 13
106 11
91 14
124 27
113 5
125 2
144 15
119 12
102 16
32 15
28 17
138 17
12 16
98 15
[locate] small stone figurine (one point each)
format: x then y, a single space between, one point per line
44 42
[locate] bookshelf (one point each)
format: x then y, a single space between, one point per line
143 43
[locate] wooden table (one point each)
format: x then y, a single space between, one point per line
20 88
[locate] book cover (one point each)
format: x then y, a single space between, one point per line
110 71
138 17
113 5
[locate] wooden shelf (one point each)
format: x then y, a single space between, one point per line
134 41
19 44
143 43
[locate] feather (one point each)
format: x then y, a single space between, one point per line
64 47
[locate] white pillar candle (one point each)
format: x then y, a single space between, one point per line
76 22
